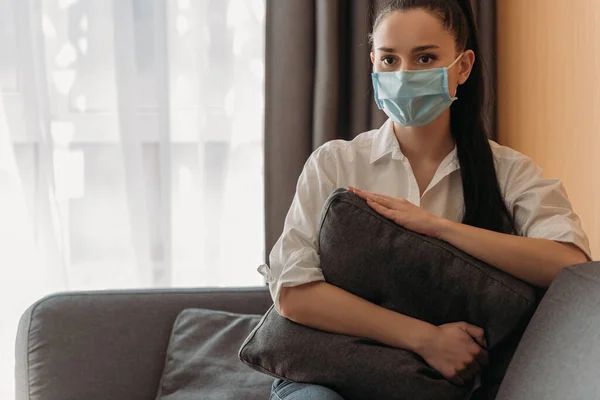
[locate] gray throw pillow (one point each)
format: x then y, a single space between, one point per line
370 256
202 360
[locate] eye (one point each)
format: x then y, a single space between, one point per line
426 59
388 60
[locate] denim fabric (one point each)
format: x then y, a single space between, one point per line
370 256
287 390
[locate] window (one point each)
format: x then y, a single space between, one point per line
135 138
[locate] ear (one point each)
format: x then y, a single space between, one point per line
372 58
465 66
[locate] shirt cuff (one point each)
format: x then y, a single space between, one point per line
289 278
265 271
565 233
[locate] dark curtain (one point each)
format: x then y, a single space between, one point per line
318 86
485 12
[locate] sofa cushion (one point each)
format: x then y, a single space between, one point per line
559 354
386 264
202 360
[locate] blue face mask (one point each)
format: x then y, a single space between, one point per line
413 98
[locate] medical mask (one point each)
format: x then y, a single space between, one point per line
413 98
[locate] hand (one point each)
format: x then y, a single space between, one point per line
403 213
456 351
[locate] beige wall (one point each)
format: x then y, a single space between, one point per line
549 94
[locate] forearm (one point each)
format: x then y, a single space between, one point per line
536 261
326 307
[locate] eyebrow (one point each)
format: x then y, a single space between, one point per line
415 50
427 47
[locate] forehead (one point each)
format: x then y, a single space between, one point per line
404 30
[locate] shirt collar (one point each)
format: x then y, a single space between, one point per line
385 142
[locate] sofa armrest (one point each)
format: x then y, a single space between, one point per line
559 354
109 344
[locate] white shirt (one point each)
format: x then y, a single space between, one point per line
373 162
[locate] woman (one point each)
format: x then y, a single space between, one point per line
430 168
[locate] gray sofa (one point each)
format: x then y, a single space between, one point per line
112 344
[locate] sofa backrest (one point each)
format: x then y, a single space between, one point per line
109 344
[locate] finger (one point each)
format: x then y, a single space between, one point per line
360 193
476 333
482 357
370 194
380 198
383 196
474 368
465 376
355 190
378 207
456 379
388 202
386 212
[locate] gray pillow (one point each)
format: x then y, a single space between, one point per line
202 360
380 261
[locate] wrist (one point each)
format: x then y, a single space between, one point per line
422 337
425 336
445 229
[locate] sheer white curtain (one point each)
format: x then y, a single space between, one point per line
130 148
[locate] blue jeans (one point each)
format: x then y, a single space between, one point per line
286 390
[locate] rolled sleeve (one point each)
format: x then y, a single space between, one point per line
541 208
299 268
294 259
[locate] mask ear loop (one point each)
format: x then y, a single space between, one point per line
455 61
452 65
